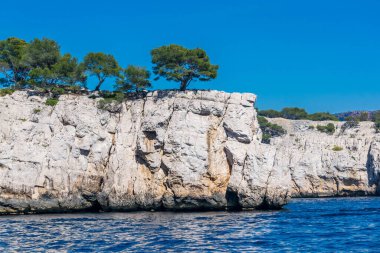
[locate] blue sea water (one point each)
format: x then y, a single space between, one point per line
328 225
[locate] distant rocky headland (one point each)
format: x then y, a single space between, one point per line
357 114
173 150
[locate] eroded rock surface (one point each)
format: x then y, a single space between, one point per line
346 163
171 150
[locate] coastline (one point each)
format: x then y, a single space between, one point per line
192 150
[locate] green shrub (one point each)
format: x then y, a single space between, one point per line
351 122
328 129
322 116
51 101
337 148
266 138
320 128
269 130
270 113
36 110
263 122
6 91
311 127
117 96
57 90
376 120
294 113
377 126
73 88
110 98
364 116
376 116
110 94
102 103
41 90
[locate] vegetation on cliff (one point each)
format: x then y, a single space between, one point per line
39 64
102 66
6 91
269 129
351 121
376 119
296 113
133 78
328 129
179 64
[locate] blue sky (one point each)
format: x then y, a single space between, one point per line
319 54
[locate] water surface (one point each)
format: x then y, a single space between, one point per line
345 224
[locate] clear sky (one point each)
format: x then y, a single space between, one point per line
322 55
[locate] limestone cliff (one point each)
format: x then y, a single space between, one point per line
168 151
346 163
171 151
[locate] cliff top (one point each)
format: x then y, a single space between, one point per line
247 99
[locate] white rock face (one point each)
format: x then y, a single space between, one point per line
171 151
346 163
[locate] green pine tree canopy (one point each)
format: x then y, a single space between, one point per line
102 66
133 78
182 65
13 68
40 64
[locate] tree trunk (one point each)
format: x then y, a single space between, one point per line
97 88
183 85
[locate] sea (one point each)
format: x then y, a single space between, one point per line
304 225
